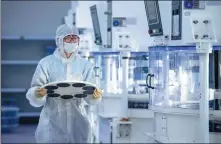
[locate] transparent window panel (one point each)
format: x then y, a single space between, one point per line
176 78
173 80
110 71
138 70
156 68
188 77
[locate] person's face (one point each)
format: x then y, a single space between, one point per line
71 39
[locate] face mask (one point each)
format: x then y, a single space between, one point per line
70 47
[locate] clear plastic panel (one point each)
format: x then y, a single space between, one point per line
156 68
91 59
110 71
138 70
176 78
188 76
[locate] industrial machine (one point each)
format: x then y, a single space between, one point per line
120 72
215 88
109 20
165 44
170 22
122 59
109 67
184 34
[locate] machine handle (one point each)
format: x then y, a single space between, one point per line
96 71
147 80
150 81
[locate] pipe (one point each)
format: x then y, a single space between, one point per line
125 72
204 95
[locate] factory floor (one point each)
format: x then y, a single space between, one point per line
23 134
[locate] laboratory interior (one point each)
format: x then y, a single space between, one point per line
157 63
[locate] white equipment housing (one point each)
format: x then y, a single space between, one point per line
119 30
179 24
173 20
163 124
111 18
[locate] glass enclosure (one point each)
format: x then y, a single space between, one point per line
174 77
108 67
138 69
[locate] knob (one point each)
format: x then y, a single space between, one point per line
196 36
205 36
195 21
206 21
150 31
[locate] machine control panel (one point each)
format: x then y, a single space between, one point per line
96 25
119 22
194 4
176 20
153 18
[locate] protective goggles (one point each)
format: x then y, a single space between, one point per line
71 38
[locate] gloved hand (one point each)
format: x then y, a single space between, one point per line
97 94
40 92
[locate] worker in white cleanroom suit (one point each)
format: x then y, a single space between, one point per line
62 120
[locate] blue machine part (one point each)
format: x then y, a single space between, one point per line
181 48
116 23
188 4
